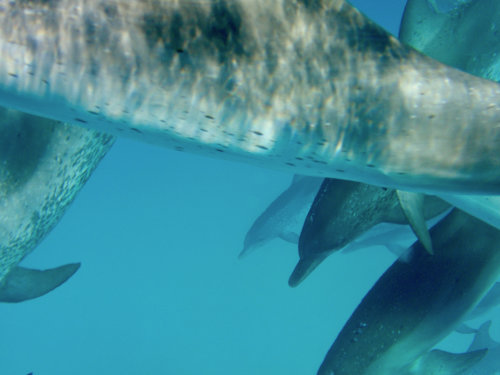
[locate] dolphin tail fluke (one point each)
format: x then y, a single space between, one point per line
303 268
22 284
413 208
438 362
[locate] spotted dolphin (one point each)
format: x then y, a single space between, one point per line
344 210
416 303
43 164
309 86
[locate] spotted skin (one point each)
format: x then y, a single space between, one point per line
308 86
43 165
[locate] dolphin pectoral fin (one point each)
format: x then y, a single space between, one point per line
413 208
290 237
438 362
22 284
303 268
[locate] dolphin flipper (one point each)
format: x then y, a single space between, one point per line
413 208
438 362
22 284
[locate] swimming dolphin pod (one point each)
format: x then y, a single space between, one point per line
344 210
415 304
309 86
43 164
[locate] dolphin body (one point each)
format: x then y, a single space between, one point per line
417 303
284 217
309 86
43 164
344 210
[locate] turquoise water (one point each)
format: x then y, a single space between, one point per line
161 290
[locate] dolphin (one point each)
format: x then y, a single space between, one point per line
344 210
490 364
309 86
43 164
283 218
417 303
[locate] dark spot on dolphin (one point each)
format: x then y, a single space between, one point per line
136 130
110 10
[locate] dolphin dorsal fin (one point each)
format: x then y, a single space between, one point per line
438 362
413 208
22 284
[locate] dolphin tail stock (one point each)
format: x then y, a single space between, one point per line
22 284
438 362
413 208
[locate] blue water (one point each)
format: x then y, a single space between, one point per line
161 290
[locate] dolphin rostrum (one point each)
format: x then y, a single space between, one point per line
284 217
309 86
417 303
43 164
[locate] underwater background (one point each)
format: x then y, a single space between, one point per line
161 289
